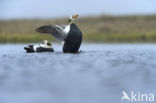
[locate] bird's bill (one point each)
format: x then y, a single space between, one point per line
73 18
76 16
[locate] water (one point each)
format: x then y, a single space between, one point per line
99 74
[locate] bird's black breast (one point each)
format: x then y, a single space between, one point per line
73 39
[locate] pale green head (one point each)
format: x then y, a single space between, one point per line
46 42
72 18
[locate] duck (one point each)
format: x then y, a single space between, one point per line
70 34
44 46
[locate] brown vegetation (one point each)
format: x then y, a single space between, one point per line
95 29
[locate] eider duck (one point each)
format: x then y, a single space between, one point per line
45 46
70 34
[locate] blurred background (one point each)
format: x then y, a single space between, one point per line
99 73
101 21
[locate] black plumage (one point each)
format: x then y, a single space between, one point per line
30 49
45 46
73 40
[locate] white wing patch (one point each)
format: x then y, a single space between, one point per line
36 46
59 27
67 29
41 45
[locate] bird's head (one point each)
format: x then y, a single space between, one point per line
46 42
72 18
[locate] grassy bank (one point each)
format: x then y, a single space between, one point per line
26 38
109 29
99 38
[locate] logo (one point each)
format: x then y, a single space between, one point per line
137 97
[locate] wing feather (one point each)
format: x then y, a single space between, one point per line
55 30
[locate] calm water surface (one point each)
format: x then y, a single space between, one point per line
98 74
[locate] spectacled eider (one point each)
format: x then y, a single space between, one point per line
70 34
45 46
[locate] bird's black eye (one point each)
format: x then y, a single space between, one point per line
49 44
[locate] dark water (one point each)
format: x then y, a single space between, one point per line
99 74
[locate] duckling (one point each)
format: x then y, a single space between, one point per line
45 46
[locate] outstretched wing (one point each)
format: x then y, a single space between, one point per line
55 30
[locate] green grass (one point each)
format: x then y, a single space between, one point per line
95 37
26 38
122 38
